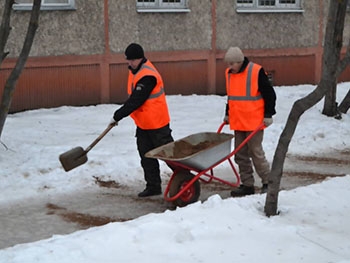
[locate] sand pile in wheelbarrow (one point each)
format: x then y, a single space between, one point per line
183 149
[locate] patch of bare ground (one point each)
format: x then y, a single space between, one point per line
84 220
324 160
315 177
117 197
108 183
302 170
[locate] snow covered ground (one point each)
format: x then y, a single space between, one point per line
313 224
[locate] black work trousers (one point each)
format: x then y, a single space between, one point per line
148 140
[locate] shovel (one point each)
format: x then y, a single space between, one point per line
78 156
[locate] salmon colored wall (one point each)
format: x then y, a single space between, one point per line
118 79
46 87
82 82
186 78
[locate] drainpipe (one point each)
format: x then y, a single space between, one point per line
104 63
212 52
319 49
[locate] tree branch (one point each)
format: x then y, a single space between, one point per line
11 82
344 62
32 27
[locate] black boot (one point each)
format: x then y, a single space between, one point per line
243 190
150 191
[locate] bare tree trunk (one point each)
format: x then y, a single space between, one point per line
5 28
11 82
345 104
330 107
330 61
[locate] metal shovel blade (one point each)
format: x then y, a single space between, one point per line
73 158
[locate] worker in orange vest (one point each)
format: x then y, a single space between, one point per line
251 102
148 108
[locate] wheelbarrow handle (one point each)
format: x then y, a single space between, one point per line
222 126
110 126
262 125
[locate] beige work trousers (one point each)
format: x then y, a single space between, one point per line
251 152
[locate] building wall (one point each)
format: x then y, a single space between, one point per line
79 32
77 56
267 30
160 31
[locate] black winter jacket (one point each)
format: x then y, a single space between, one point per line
138 97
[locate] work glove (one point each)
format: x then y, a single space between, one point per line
226 119
268 121
113 122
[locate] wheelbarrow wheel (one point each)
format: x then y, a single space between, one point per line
191 195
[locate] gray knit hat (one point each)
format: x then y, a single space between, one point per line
234 54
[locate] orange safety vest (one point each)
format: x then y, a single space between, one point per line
246 105
153 114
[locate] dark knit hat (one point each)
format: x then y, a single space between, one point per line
134 51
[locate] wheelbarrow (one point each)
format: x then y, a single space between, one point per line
193 159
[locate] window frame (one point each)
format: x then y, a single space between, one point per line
161 6
255 7
70 5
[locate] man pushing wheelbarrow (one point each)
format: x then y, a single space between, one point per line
249 110
251 101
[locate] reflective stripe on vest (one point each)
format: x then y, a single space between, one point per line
246 105
152 96
248 97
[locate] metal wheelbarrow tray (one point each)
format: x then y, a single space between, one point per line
198 151
193 159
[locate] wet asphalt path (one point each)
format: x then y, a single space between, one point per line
35 219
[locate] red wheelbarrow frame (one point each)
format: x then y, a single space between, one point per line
200 173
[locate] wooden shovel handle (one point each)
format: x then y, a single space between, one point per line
110 126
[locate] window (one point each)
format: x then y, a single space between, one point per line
45 5
264 6
162 6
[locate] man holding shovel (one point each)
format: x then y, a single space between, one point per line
148 107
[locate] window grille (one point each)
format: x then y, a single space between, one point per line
45 5
268 6
162 6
